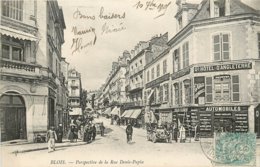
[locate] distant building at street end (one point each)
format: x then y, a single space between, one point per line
75 93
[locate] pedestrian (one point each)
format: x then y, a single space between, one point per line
59 133
90 132
85 133
102 129
94 130
51 137
196 135
75 133
71 133
175 132
129 132
182 134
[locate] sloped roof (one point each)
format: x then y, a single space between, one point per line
236 7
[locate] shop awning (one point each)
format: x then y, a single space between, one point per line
136 113
115 111
76 111
17 34
127 113
108 111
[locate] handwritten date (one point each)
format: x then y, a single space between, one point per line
161 8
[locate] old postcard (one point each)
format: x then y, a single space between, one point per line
130 83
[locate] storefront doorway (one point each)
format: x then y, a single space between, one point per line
51 113
223 125
12 117
257 121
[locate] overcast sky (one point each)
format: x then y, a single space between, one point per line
91 46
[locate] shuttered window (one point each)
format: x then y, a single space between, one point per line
221 47
176 93
208 92
235 88
180 96
166 92
160 94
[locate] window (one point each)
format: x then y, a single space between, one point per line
141 62
180 23
73 92
221 47
185 54
12 52
222 88
160 99
176 93
180 94
187 92
155 96
152 74
235 88
51 60
258 34
158 70
166 92
13 9
208 91
176 60
164 66
6 51
226 88
148 76
219 8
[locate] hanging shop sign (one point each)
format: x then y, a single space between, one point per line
181 73
157 82
225 108
223 67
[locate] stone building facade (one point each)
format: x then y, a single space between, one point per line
31 40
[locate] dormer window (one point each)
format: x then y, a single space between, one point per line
219 8
180 22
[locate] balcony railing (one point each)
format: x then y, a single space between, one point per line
19 67
136 86
74 85
134 103
136 70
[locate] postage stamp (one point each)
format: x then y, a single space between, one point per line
235 149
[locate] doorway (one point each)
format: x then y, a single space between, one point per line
223 125
257 121
12 117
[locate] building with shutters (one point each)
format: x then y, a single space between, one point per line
31 90
215 67
75 94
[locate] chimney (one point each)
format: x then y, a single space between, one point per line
227 7
211 4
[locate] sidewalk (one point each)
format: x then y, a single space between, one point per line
23 146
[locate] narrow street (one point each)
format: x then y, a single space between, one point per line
113 147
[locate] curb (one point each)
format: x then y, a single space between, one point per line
45 148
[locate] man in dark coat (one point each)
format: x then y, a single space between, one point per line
129 132
94 130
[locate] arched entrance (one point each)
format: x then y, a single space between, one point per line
12 116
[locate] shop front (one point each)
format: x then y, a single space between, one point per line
210 119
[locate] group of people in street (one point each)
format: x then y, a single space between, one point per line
89 133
